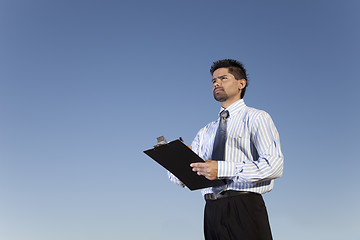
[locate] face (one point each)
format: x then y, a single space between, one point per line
226 88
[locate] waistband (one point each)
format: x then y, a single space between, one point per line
225 194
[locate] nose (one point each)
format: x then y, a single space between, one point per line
216 83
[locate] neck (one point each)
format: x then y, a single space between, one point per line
228 102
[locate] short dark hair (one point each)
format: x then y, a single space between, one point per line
234 67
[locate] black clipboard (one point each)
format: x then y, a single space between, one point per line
176 157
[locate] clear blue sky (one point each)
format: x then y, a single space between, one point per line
86 86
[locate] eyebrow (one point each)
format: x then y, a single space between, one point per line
222 76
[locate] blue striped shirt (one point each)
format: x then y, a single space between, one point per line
253 157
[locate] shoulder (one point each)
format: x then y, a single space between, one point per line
253 114
204 134
209 126
257 119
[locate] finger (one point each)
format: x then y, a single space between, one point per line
198 170
197 164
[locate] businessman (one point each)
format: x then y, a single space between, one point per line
242 148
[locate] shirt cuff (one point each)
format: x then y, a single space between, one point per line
229 169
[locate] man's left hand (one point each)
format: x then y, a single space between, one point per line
207 169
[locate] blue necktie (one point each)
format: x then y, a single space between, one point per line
218 153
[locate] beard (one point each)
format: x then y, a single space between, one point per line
220 96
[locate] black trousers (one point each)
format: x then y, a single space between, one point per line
242 217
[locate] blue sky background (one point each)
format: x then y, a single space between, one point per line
86 86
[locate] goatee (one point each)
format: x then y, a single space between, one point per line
220 96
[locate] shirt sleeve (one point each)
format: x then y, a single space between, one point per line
269 165
175 180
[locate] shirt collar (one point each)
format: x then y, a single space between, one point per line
235 107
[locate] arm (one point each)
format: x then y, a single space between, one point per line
175 180
269 165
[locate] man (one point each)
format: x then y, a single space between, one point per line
242 148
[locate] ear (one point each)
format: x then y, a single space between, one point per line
241 84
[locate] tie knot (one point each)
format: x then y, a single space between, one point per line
224 114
